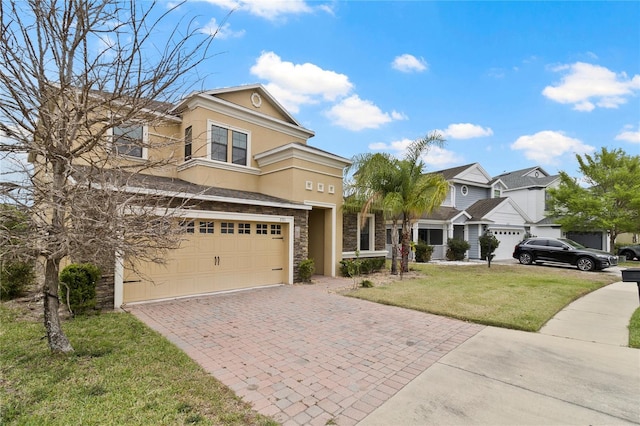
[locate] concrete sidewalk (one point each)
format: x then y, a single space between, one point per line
575 371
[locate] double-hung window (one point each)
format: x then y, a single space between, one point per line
219 142
188 139
129 139
366 233
229 145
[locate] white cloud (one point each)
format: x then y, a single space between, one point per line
270 9
588 86
357 114
548 146
223 31
629 135
297 84
409 63
435 158
466 131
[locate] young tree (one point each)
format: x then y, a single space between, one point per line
610 200
72 71
400 188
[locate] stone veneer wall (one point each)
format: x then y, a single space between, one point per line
350 232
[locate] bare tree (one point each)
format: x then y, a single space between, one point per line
75 75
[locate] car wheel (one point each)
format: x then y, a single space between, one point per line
586 264
525 258
629 255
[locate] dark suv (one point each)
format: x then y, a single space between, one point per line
562 250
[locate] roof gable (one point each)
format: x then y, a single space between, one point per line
473 173
483 210
531 177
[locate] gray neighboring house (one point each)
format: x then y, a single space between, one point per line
510 205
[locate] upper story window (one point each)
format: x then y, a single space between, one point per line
229 145
188 139
497 193
464 190
130 139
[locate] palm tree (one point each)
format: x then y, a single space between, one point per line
399 188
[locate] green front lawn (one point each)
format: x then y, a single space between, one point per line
122 373
512 296
634 330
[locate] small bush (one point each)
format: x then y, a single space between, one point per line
366 284
353 267
15 278
488 241
78 286
456 249
306 269
423 252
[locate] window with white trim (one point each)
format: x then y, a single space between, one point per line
244 228
129 139
228 145
188 138
366 233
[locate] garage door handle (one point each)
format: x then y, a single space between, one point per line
278 238
277 269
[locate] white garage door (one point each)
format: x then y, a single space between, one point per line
216 255
508 239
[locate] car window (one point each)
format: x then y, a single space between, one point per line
572 243
537 243
554 243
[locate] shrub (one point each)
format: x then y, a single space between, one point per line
306 269
423 252
456 249
78 287
366 284
354 267
488 240
15 278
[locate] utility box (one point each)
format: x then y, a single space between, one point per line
631 275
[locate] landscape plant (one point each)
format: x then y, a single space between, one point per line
78 287
398 187
424 252
306 269
456 249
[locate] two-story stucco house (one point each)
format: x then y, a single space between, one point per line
262 200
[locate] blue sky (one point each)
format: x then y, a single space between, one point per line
509 84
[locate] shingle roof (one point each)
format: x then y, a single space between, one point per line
131 182
453 172
518 179
442 213
481 208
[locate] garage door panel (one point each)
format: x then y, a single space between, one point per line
209 262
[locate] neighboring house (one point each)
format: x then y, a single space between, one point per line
509 206
261 199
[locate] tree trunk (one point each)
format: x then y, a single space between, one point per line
58 342
394 248
406 244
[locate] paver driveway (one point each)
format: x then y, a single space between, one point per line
303 354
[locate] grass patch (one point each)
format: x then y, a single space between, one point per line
511 296
634 330
121 373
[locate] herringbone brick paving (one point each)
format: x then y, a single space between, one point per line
304 354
